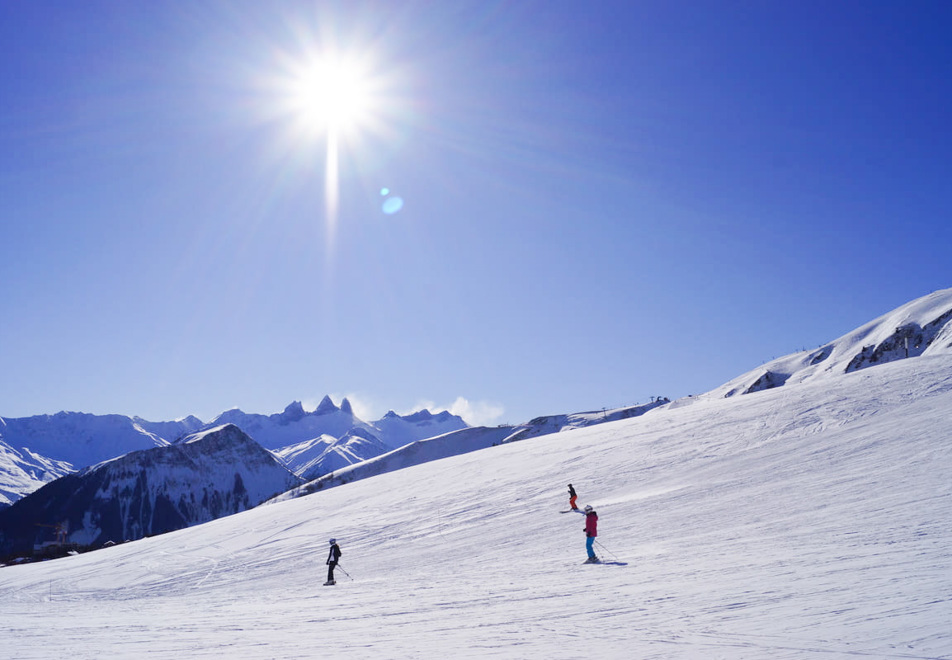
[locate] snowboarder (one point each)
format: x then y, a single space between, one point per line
332 558
591 531
572 498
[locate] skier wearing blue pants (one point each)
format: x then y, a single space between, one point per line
591 531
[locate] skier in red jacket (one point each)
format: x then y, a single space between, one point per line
591 531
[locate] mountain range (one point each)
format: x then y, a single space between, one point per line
921 328
304 445
36 450
809 519
205 476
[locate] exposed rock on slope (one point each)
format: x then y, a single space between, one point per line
922 327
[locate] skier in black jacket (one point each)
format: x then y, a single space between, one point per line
332 558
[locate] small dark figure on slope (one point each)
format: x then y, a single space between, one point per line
332 558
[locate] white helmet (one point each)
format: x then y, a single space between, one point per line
588 508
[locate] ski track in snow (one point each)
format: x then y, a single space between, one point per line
811 521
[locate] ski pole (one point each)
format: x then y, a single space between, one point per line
345 572
606 549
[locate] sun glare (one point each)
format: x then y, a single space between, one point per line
335 98
331 96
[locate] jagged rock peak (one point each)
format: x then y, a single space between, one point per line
293 412
326 406
345 407
228 416
419 416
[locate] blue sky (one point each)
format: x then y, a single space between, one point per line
602 202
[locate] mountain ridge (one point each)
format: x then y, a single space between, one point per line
208 475
920 327
36 450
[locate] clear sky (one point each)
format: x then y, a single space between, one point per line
601 201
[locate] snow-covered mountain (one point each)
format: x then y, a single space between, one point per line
311 459
36 450
83 439
171 431
398 430
415 453
558 423
807 521
295 426
921 327
459 442
318 456
22 472
207 475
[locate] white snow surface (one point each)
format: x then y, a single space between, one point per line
806 521
920 327
24 471
37 450
303 454
327 453
81 439
454 443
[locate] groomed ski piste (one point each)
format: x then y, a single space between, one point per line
807 521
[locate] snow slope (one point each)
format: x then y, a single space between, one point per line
920 327
415 453
462 441
83 439
23 471
36 450
317 457
806 521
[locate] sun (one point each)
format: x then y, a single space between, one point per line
331 95
341 100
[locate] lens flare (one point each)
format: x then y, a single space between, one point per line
392 205
331 188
